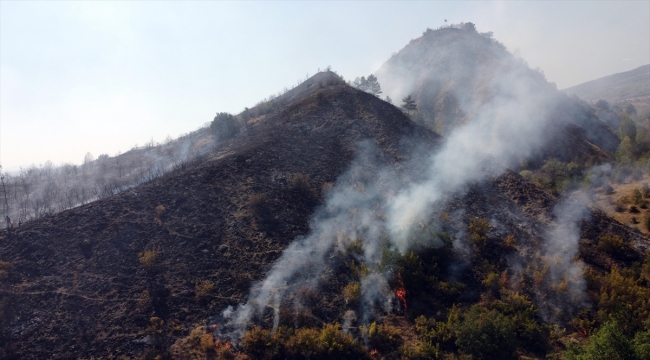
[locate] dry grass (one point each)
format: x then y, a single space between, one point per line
619 204
148 257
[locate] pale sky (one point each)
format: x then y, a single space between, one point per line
101 77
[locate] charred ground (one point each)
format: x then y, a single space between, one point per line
76 285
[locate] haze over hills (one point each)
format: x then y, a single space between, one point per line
332 224
632 86
456 73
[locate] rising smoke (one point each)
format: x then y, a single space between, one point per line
387 207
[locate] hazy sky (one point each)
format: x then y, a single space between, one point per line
104 76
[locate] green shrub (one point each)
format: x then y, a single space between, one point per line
382 337
486 334
337 345
608 343
637 197
613 244
224 126
352 292
262 343
641 345
478 229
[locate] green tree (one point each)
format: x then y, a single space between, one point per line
628 128
224 126
641 344
408 104
624 153
608 343
369 85
486 334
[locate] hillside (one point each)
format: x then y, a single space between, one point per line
76 285
455 74
333 225
632 86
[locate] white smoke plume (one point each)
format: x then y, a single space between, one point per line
565 276
512 126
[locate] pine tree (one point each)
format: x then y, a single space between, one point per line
373 86
408 104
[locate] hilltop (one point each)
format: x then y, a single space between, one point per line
455 73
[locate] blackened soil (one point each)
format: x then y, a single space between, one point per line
77 287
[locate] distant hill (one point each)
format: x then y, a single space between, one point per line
632 86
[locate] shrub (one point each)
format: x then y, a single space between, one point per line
305 343
261 343
510 242
148 257
334 344
328 343
382 337
641 344
203 288
160 209
637 197
613 244
646 221
423 351
300 183
486 334
492 281
207 342
224 126
606 343
478 229
352 292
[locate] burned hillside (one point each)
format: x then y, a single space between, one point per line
80 282
333 225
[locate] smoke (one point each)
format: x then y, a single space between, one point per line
36 192
564 278
351 212
385 207
509 128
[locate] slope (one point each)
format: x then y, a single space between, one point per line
455 74
633 85
87 281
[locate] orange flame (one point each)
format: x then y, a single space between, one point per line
373 352
222 345
400 292
213 326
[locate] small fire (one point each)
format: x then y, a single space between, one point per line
222 345
373 352
213 326
400 292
